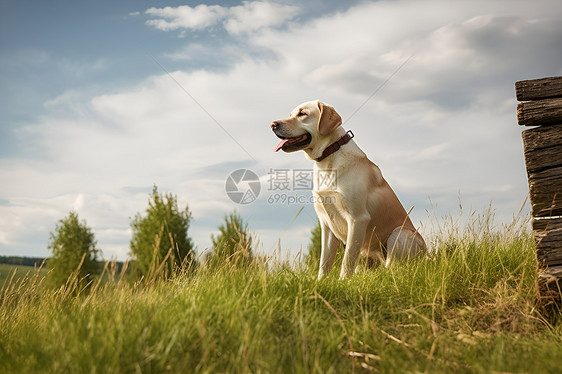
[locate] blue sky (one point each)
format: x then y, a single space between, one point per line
96 106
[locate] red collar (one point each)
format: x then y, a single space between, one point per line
332 148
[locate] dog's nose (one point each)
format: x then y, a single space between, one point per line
274 125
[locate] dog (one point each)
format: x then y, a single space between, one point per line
354 203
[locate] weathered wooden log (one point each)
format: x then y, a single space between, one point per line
542 106
548 236
542 137
549 285
536 89
541 159
545 190
540 112
542 224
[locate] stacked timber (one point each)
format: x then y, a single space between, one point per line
541 105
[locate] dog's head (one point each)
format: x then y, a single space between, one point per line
310 127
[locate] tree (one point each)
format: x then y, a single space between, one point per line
314 247
312 259
233 244
160 242
74 252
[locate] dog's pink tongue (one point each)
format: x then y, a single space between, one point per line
280 145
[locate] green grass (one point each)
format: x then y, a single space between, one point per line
468 308
21 271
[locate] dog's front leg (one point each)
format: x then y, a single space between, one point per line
355 236
329 248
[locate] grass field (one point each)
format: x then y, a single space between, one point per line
7 271
470 307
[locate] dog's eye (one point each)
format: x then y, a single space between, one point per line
302 114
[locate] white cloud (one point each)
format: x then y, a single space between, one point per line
78 203
250 16
472 48
255 15
185 17
104 152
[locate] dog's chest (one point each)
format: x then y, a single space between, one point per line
328 206
330 201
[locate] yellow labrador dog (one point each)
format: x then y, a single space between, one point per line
353 201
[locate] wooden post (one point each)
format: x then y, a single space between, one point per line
542 106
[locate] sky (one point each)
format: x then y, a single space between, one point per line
100 101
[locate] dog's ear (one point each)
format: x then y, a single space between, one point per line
329 119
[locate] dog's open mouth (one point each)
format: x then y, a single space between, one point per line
293 144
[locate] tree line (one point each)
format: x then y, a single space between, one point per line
22 261
159 247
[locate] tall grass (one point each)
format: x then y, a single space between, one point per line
468 307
